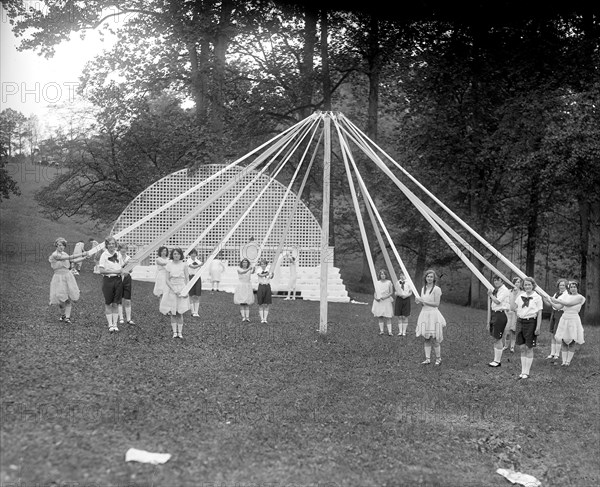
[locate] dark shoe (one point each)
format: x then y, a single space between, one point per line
67 320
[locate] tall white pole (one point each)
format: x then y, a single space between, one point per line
325 256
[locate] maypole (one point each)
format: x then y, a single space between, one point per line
325 222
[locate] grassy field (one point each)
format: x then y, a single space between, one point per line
278 404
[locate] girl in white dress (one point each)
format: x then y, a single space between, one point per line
216 270
160 282
557 312
431 323
293 277
570 330
63 287
173 302
244 295
383 302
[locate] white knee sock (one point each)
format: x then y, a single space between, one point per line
497 355
427 350
389 327
528 362
109 319
438 350
570 356
68 309
381 326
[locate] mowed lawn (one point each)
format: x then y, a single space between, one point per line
276 404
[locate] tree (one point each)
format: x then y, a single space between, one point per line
572 145
189 43
12 130
10 120
106 170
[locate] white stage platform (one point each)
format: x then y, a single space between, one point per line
307 282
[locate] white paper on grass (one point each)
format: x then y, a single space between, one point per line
142 456
519 478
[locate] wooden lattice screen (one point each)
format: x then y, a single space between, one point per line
303 236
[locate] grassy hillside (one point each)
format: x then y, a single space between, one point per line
276 404
25 231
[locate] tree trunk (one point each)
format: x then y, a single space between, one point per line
218 106
532 229
590 254
421 260
374 74
198 79
307 66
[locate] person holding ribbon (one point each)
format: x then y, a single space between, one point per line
511 324
194 264
293 277
63 286
431 323
244 294
173 303
500 304
264 294
402 304
160 281
555 316
569 331
125 305
383 304
110 266
528 306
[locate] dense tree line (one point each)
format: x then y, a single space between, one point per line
496 112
